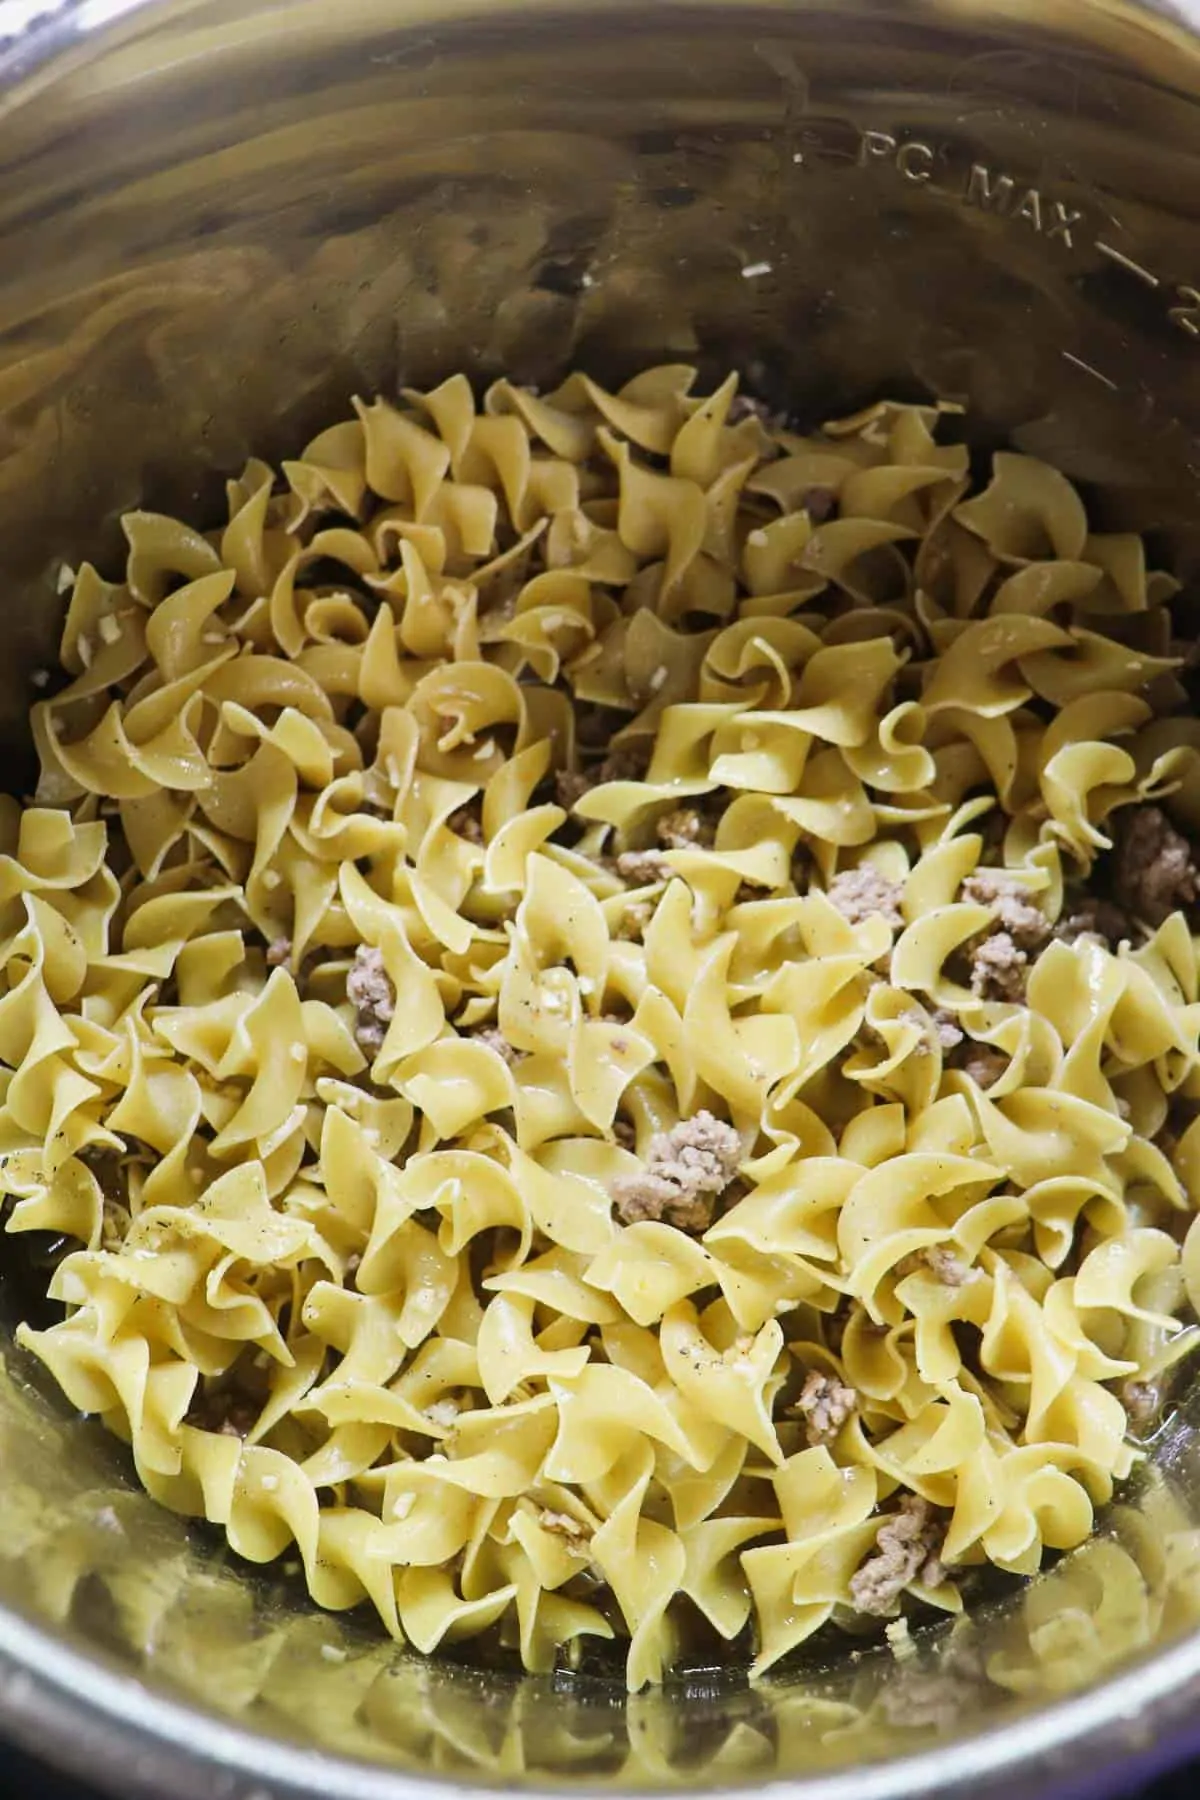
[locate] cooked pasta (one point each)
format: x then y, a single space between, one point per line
598 996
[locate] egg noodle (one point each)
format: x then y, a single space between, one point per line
599 992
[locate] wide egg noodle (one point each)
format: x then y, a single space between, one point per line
471 810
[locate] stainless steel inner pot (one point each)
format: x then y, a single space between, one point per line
221 218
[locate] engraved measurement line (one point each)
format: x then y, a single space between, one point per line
1186 313
1127 262
1087 368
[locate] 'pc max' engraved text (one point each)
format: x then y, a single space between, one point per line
990 189
1051 221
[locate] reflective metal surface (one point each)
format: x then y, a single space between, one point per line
217 221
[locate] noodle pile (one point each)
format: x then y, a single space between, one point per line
603 992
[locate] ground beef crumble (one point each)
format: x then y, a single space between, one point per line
747 406
947 1029
643 867
1092 917
825 1404
686 828
949 1267
570 785
626 763
1154 872
907 1548
998 968
224 1409
860 893
944 1264
982 1062
466 823
625 1134
370 992
820 503
684 1171
1025 923
937 1029
999 960
494 1039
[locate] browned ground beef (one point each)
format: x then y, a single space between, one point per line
1154 872
859 894
906 1550
684 1171
825 1403
370 991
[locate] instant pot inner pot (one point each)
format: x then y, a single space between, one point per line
220 221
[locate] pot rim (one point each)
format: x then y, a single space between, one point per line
99 1721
